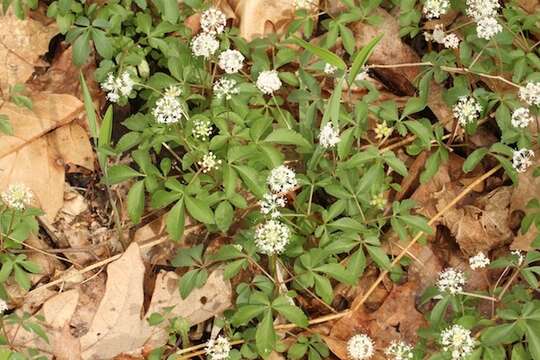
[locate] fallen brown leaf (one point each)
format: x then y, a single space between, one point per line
22 43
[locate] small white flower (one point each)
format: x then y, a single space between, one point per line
202 129
479 261
329 137
451 41
204 45
209 162
466 110
218 349
213 21
488 27
382 130
305 4
378 201
530 93
272 237
519 255
281 179
435 8
271 203
17 196
225 88
399 350
438 34
119 86
451 281
173 91
522 159
480 9
521 117
231 61
268 82
362 75
457 341
360 347
3 306
330 69
168 110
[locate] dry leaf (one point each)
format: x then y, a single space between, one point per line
201 304
22 42
28 153
117 326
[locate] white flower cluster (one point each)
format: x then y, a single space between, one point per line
17 196
117 86
487 28
457 341
168 110
360 347
522 159
202 129
451 281
218 349
173 91
435 8
521 117
281 179
399 350
213 21
479 261
272 237
449 41
271 203
225 88
378 201
268 82
204 45
231 61
209 162
530 93
466 110
330 69
382 131
3 306
484 12
329 137
362 75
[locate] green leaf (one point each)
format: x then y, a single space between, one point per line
245 313
5 125
7 268
103 44
322 53
336 271
89 108
265 336
417 222
105 131
199 210
362 56
81 48
21 277
473 159
498 334
155 319
533 338
422 132
233 268
176 220
379 256
135 201
395 163
287 137
291 312
508 168
439 310
171 12
36 329
323 288
188 282
249 177
413 105
224 215
119 173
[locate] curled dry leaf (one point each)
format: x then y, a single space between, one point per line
22 43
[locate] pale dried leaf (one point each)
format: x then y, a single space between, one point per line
22 42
